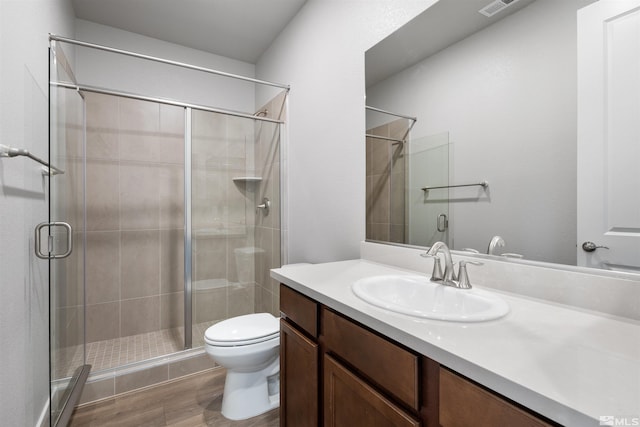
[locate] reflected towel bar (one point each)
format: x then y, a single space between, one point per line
483 184
6 151
386 138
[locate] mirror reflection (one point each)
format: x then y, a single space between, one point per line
495 140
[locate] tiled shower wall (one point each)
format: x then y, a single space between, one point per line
268 227
386 190
67 293
223 215
135 216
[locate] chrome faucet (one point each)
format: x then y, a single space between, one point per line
495 242
448 277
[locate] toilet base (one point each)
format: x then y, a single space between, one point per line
246 394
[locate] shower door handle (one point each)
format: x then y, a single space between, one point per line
442 223
50 254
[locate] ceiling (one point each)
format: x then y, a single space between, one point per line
441 25
238 29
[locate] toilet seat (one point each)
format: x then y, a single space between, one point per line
243 330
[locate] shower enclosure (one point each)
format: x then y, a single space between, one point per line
398 168
175 211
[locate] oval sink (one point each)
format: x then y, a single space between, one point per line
418 296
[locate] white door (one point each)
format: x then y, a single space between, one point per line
609 135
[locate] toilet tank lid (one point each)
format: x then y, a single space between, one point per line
242 328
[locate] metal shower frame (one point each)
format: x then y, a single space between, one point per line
188 107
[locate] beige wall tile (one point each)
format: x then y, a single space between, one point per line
264 241
397 233
397 199
210 258
97 390
139 146
140 263
69 327
140 315
233 274
172 120
102 111
139 197
191 365
171 260
171 196
143 378
380 198
241 299
102 126
138 116
103 321
172 310
264 304
103 198
169 149
103 144
103 266
209 305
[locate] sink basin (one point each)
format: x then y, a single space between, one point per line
419 297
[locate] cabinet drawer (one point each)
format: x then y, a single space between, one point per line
299 309
463 403
386 364
350 401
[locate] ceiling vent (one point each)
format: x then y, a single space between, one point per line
495 7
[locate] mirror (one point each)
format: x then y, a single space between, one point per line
496 98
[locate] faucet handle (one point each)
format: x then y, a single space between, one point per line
463 277
436 274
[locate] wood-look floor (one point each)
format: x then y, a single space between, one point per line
189 402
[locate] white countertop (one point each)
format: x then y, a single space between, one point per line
567 364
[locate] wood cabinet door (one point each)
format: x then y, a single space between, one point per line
298 378
464 404
350 402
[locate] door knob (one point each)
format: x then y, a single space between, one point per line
590 247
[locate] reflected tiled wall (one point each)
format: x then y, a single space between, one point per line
385 172
135 216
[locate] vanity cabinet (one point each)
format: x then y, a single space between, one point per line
348 400
336 372
463 403
299 360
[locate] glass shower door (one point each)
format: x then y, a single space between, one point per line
428 211
64 247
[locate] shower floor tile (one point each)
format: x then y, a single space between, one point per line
117 352
121 351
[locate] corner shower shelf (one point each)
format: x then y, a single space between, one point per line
247 178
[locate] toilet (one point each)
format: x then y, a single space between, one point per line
249 347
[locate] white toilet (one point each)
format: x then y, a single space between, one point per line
249 347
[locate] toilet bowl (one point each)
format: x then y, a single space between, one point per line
249 347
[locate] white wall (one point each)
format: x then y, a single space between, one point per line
24 330
321 55
507 96
139 76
